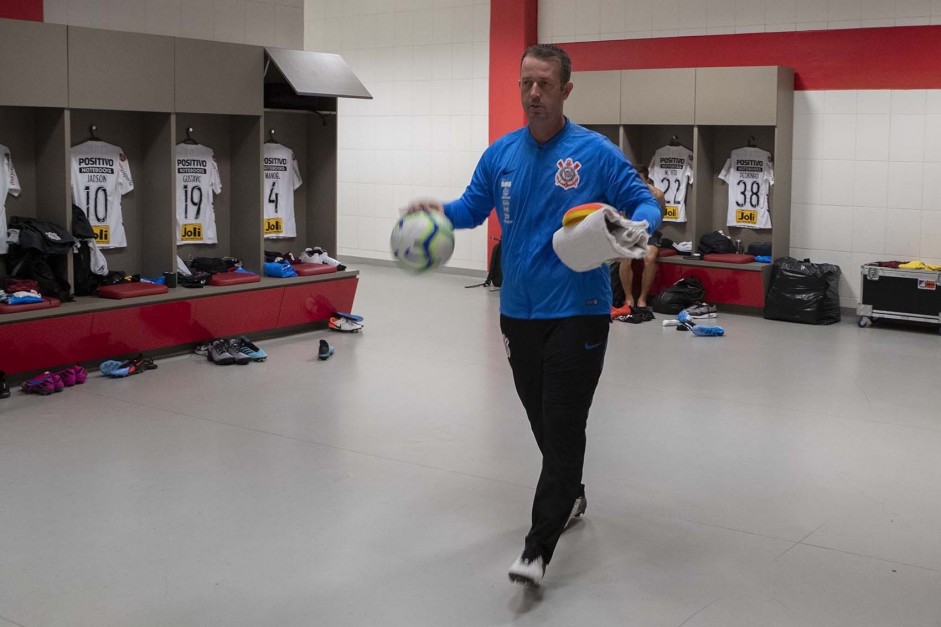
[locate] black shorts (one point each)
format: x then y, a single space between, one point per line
654 240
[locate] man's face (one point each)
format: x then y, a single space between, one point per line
541 89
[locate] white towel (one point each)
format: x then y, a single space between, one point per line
601 236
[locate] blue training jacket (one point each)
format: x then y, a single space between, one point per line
532 186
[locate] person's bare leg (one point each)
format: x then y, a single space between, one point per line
646 279
627 281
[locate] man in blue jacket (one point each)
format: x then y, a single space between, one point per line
554 320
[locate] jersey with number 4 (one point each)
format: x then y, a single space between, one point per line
100 176
282 177
9 184
750 176
671 170
197 178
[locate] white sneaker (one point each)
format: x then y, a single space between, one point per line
327 259
581 504
344 325
528 571
310 255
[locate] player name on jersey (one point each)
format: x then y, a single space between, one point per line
197 180
750 175
282 177
101 175
671 170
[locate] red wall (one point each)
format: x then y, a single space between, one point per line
21 10
864 58
512 30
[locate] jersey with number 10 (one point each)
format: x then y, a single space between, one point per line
750 176
282 177
100 176
671 170
197 178
9 184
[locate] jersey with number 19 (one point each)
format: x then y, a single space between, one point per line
671 170
282 177
750 176
197 178
100 176
9 184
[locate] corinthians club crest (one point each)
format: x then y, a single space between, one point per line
567 176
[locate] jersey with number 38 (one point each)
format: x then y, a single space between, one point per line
100 176
750 176
197 178
282 177
671 170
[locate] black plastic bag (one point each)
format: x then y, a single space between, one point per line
801 291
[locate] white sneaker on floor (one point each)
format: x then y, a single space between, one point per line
344 325
702 311
528 571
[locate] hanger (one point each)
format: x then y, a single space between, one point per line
91 132
271 139
189 138
674 141
751 141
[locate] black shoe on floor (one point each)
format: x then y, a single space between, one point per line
325 350
4 388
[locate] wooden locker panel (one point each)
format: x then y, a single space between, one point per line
120 71
658 96
35 64
215 77
737 96
595 99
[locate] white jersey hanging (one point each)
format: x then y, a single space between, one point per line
9 184
671 170
197 179
282 177
100 176
750 175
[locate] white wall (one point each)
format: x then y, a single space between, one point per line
867 164
277 23
426 64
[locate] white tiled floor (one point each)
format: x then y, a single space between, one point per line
782 475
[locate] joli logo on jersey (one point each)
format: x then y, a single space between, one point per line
102 234
191 233
274 226
567 176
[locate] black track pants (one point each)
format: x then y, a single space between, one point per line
556 365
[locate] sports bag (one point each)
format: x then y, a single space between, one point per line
759 249
715 242
495 274
212 265
682 294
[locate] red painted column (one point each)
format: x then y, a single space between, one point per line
21 10
513 28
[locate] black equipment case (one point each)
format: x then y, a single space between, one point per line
899 294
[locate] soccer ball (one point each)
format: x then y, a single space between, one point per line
422 241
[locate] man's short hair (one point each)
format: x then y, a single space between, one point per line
548 52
